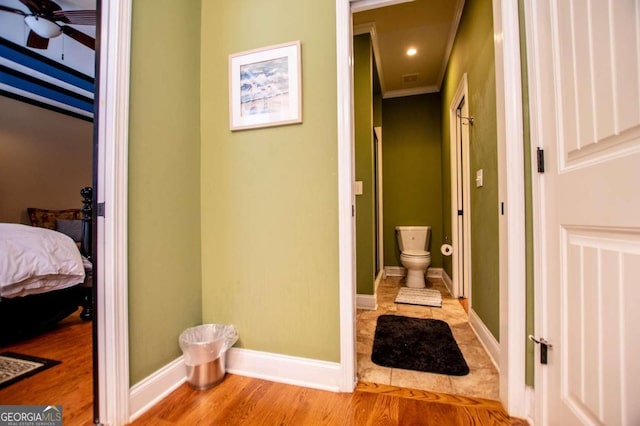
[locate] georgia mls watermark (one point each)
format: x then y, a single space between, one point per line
30 415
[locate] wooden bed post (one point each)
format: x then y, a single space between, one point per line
87 218
85 249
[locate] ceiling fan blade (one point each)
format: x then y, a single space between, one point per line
33 6
12 10
77 17
43 7
37 42
79 36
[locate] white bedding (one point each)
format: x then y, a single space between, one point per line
37 260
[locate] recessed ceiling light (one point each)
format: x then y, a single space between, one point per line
411 51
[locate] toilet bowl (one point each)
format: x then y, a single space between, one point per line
413 242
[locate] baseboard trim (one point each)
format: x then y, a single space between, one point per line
448 282
381 276
291 370
487 340
152 389
530 403
395 271
309 373
399 271
366 301
435 273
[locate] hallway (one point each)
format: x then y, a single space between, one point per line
482 380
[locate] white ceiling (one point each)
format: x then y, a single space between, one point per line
76 55
427 25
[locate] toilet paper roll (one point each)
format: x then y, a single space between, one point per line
446 249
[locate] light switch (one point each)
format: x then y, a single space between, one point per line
357 187
479 178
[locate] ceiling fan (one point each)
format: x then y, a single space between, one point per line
47 20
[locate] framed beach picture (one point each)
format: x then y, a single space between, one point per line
265 87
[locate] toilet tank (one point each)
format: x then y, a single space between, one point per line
413 237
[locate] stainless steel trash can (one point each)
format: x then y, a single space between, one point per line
205 376
204 348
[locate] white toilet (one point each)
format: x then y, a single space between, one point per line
413 242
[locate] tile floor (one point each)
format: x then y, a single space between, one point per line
482 380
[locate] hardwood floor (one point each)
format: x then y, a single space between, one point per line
68 384
238 400
245 401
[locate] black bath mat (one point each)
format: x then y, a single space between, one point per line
417 344
15 367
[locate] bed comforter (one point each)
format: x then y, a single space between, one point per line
37 260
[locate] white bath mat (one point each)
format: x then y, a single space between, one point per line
419 296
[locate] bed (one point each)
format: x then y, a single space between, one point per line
46 270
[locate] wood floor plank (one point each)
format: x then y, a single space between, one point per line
68 384
239 400
244 401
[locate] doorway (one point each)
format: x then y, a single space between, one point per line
421 107
460 192
59 108
511 189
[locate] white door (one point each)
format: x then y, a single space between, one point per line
464 199
584 68
460 187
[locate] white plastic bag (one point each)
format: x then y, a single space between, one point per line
205 343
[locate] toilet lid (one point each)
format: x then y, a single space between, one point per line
416 253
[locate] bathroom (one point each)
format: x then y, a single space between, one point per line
413 169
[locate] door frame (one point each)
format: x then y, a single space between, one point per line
461 247
511 210
112 190
111 280
346 200
511 188
377 130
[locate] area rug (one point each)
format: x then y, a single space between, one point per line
417 344
15 367
419 296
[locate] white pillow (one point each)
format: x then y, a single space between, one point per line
37 260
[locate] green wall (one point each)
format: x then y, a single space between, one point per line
269 196
364 163
411 170
164 182
473 54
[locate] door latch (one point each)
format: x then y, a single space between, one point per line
544 347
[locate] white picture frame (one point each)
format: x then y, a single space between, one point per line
265 87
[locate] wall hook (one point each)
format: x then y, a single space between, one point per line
469 120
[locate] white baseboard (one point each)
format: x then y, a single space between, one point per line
399 271
297 371
370 301
366 301
152 389
309 373
381 276
435 273
487 340
530 401
395 271
448 282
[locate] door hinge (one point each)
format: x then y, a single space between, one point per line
459 212
540 153
544 348
100 212
353 210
